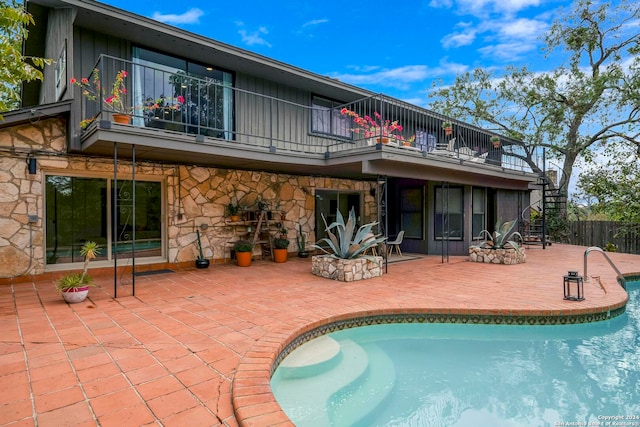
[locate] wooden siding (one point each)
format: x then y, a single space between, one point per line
59 24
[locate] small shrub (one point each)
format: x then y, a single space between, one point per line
243 246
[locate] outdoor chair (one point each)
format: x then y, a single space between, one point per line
396 244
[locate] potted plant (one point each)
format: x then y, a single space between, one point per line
495 140
244 252
448 128
281 246
201 261
501 246
376 129
263 206
74 287
301 242
232 211
115 99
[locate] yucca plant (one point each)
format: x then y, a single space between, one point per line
500 237
78 280
343 240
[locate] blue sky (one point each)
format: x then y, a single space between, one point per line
397 48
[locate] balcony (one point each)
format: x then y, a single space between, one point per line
172 115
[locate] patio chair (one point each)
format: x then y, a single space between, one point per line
396 244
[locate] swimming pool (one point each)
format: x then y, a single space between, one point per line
469 375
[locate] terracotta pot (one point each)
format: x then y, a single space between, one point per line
383 140
243 259
280 255
448 131
234 218
122 119
75 295
496 144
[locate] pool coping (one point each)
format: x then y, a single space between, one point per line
255 405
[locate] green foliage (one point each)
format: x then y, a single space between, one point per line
301 240
15 68
232 209
346 243
589 101
243 246
499 238
612 189
199 244
281 243
89 251
73 280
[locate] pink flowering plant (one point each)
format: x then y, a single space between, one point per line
115 98
371 127
165 103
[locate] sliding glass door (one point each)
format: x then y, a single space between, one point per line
79 209
182 96
328 202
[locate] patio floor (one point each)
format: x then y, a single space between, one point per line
195 347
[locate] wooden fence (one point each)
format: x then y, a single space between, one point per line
625 237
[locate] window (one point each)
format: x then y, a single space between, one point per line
449 213
79 209
478 208
326 118
328 202
182 96
411 208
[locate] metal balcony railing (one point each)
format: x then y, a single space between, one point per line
173 101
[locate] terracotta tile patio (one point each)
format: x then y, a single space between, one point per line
196 347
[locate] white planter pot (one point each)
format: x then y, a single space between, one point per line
75 295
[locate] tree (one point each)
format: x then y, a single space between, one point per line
15 68
615 189
591 102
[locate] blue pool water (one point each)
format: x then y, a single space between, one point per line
473 375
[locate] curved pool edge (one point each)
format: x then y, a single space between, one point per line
255 405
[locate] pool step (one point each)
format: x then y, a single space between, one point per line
352 404
303 395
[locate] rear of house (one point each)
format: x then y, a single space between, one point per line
207 124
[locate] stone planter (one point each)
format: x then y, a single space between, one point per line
496 256
345 270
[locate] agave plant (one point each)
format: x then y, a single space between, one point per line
498 239
343 240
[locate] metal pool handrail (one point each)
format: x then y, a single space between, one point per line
621 278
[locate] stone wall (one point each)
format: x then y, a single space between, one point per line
21 194
507 256
195 197
346 270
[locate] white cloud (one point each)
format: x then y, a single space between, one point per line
191 16
513 38
315 22
507 51
484 8
400 77
458 39
254 37
441 3
523 28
